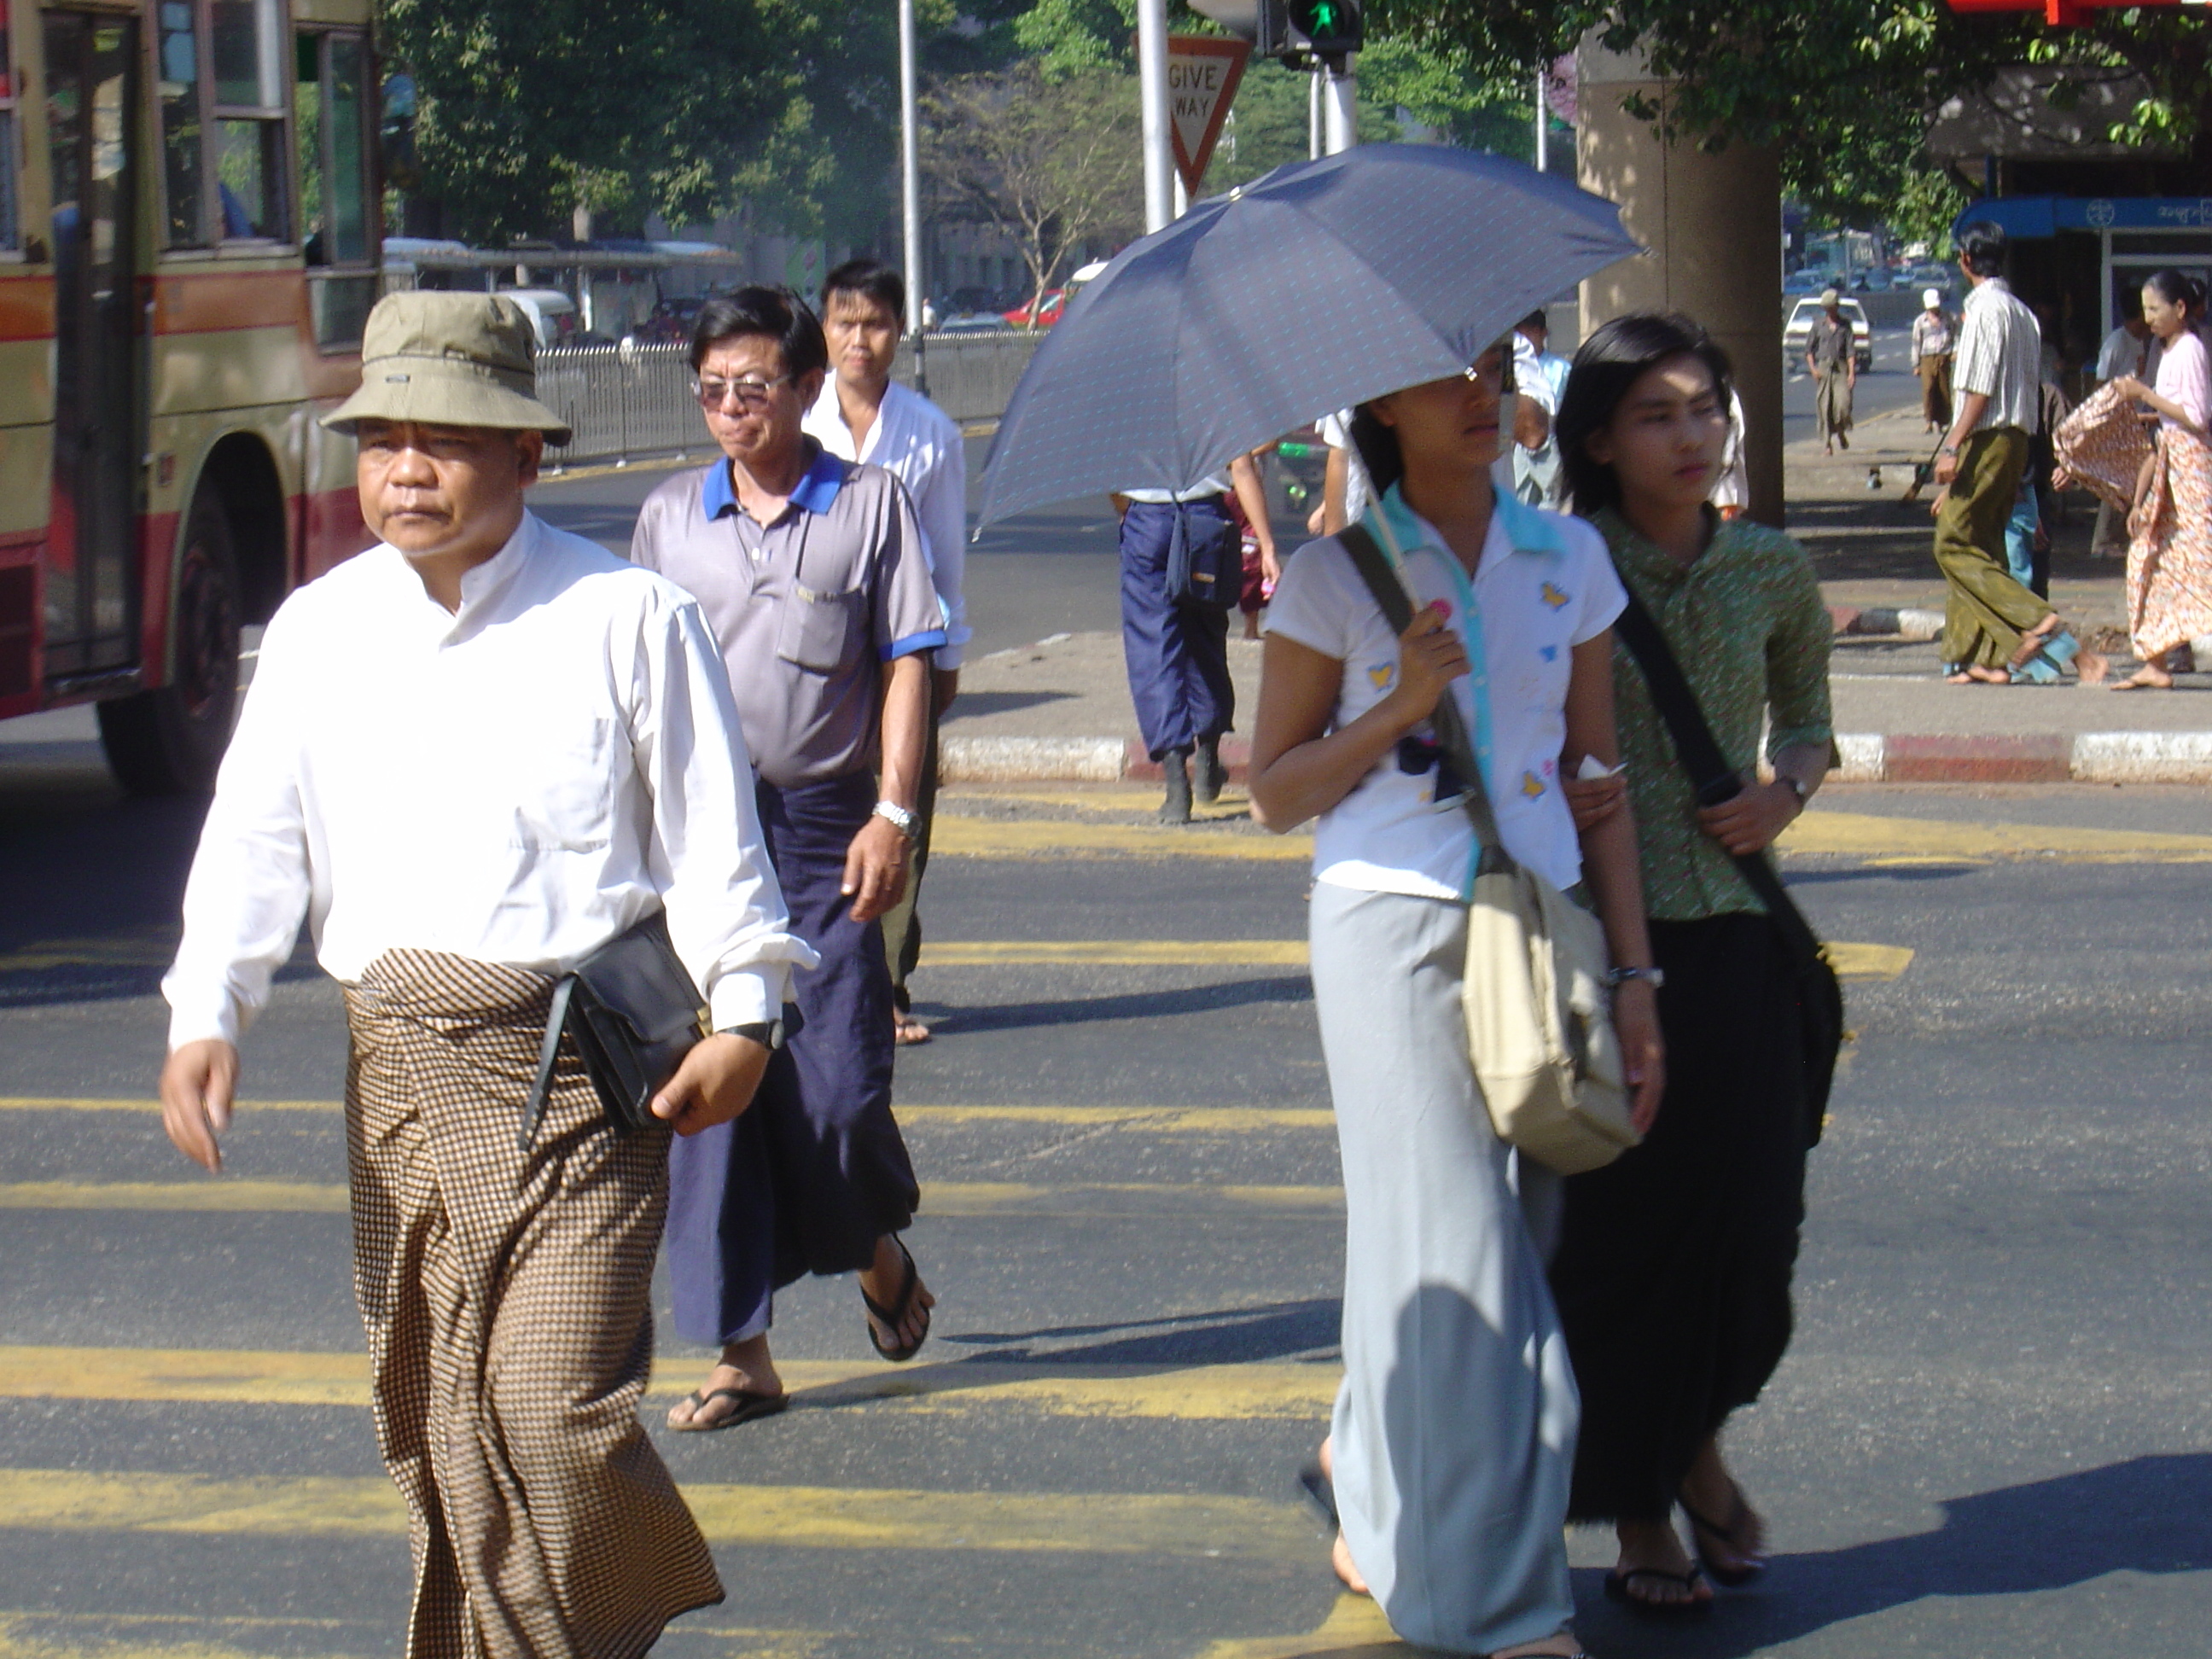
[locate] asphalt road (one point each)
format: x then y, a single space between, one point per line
1991 1436
1056 571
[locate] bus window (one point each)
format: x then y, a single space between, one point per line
10 232
177 57
331 115
249 128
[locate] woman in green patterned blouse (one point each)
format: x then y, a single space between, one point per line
1674 1271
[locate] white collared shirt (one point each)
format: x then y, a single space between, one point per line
919 445
517 783
2000 354
1545 585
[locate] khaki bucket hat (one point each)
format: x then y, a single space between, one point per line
452 360
1830 298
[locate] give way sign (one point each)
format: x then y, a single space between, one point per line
1203 70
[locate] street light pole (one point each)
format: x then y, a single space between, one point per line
1152 88
910 165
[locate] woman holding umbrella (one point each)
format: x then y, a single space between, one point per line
1453 1438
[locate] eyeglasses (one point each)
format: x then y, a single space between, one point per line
752 395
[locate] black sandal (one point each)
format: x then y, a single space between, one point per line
894 1317
1695 1606
752 1405
1734 1577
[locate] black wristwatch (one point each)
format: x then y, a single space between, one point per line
768 1033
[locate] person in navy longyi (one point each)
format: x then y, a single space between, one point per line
812 571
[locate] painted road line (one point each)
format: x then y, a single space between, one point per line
1117 952
1355 1628
1863 835
1850 961
952 837
1851 835
1276 1392
1166 1119
45 1634
785 1517
939 1199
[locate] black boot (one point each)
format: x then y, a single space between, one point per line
1176 766
1208 774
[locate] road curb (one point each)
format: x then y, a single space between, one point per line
1866 757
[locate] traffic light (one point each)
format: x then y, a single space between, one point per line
1295 31
1322 29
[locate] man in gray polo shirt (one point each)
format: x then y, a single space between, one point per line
812 571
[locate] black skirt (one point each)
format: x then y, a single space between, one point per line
1675 1262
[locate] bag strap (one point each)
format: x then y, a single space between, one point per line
1711 775
1397 606
549 1051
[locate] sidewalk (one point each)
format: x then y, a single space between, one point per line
1059 709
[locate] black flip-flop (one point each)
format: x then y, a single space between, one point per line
1616 1588
894 1317
1700 1526
752 1405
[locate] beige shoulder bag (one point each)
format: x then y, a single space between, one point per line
1539 1022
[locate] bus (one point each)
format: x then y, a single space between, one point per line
189 231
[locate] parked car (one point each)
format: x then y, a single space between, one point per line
1805 281
1047 311
1799 328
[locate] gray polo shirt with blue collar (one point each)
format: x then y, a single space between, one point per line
807 608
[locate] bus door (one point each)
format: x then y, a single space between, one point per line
92 100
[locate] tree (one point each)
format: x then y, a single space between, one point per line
1832 84
1053 161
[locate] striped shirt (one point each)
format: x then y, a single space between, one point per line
2000 355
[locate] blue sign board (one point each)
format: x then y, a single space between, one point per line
2027 218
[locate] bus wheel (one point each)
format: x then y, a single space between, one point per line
170 741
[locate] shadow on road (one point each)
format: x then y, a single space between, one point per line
2148 1515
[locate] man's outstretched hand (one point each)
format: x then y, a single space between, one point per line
714 1083
199 1082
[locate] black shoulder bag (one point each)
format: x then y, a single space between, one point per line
635 1013
1819 997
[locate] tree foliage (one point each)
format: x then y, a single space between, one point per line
1839 86
1052 160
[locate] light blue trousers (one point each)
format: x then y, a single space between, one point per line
1455 1427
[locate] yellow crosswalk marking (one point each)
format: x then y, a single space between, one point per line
939 1198
1282 1392
49 1635
1117 952
1163 1119
788 1518
1035 838
1355 1628
1864 834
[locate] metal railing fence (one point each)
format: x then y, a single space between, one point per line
627 402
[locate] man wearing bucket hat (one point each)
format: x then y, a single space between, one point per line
1932 332
1832 353
470 756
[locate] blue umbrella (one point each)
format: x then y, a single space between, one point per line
1323 284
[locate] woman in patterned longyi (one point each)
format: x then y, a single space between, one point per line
2170 540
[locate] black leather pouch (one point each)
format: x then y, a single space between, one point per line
634 1013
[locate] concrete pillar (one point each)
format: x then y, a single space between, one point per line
1713 222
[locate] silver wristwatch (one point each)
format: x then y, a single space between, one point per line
1617 976
907 824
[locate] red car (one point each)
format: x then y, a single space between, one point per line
1048 313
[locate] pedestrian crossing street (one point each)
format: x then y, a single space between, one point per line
1253 1417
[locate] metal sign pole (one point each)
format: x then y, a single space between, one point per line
910 165
1152 84
1342 104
